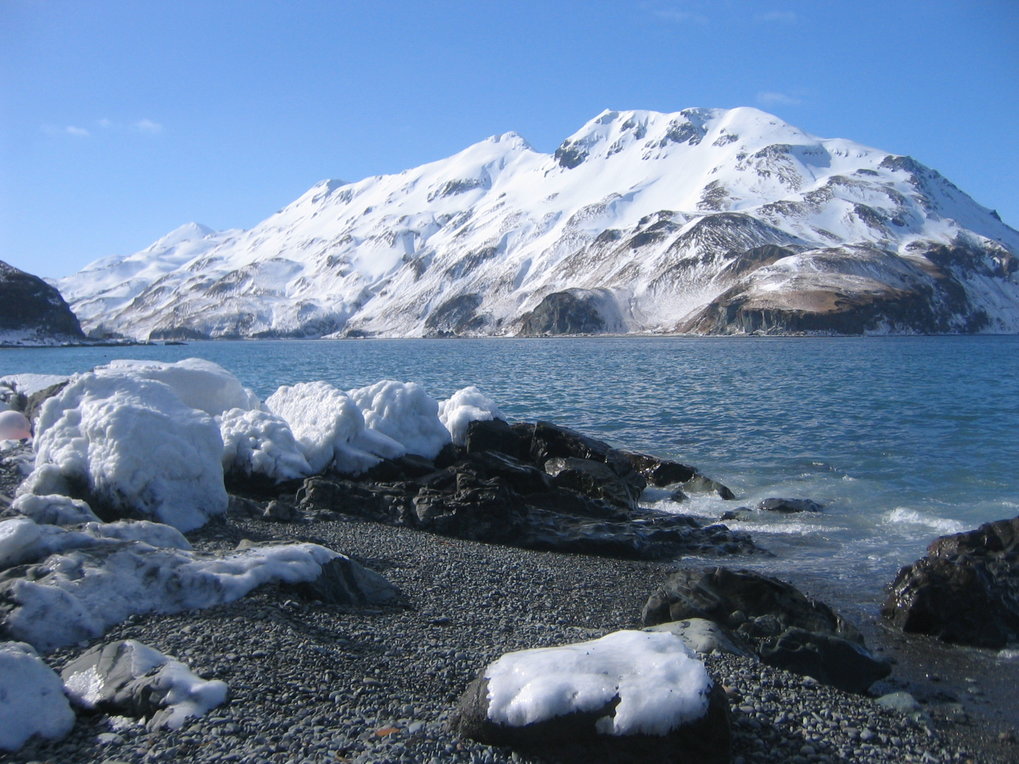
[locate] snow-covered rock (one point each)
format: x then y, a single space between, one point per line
130 444
53 509
641 695
128 678
259 443
330 428
464 406
404 412
702 220
200 384
658 681
78 594
32 700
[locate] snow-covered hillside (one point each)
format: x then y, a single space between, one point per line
705 220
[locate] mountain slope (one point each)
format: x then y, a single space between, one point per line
705 220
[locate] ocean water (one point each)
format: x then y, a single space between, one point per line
901 438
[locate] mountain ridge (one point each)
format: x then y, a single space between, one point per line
702 221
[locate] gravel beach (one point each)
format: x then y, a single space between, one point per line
313 682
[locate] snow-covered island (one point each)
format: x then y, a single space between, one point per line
189 569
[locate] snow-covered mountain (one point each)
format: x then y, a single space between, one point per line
705 220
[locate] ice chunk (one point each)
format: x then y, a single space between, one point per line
54 509
658 681
134 446
464 406
329 427
32 700
79 594
404 412
257 442
200 384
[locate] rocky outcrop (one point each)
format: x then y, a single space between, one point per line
965 590
784 627
564 313
31 311
536 486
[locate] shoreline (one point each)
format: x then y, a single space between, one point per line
326 682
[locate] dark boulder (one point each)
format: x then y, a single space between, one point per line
549 441
663 472
785 628
596 479
496 435
346 497
965 590
346 582
789 506
520 477
564 313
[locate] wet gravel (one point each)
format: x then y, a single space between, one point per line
315 683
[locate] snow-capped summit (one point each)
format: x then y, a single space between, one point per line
703 220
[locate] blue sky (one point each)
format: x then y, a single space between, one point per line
120 121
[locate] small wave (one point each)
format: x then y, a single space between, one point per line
906 516
1008 654
783 529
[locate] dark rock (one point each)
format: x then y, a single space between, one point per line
281 512
549 441
831 660
596 479
496 435
406 467
965 590
786 628
574 738
789 506
564 313
34 402
346 497
663 472
345 582
521 478
34 309
480 510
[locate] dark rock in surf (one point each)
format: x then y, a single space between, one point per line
789 506
965 590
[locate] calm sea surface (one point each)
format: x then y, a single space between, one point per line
903 439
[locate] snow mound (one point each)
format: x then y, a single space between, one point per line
138 670
78 594
329 427
257 442
464 406
131 444
32 698
404 412
200 384
658 681
54 509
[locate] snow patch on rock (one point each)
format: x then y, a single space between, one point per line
658 681
260 443
464 406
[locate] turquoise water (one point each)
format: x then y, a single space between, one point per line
902 439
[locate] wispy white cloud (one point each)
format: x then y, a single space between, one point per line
147 126
680 17
75 130
775 98
778 17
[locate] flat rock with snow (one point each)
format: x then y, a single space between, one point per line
32 700
128 678
628 696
